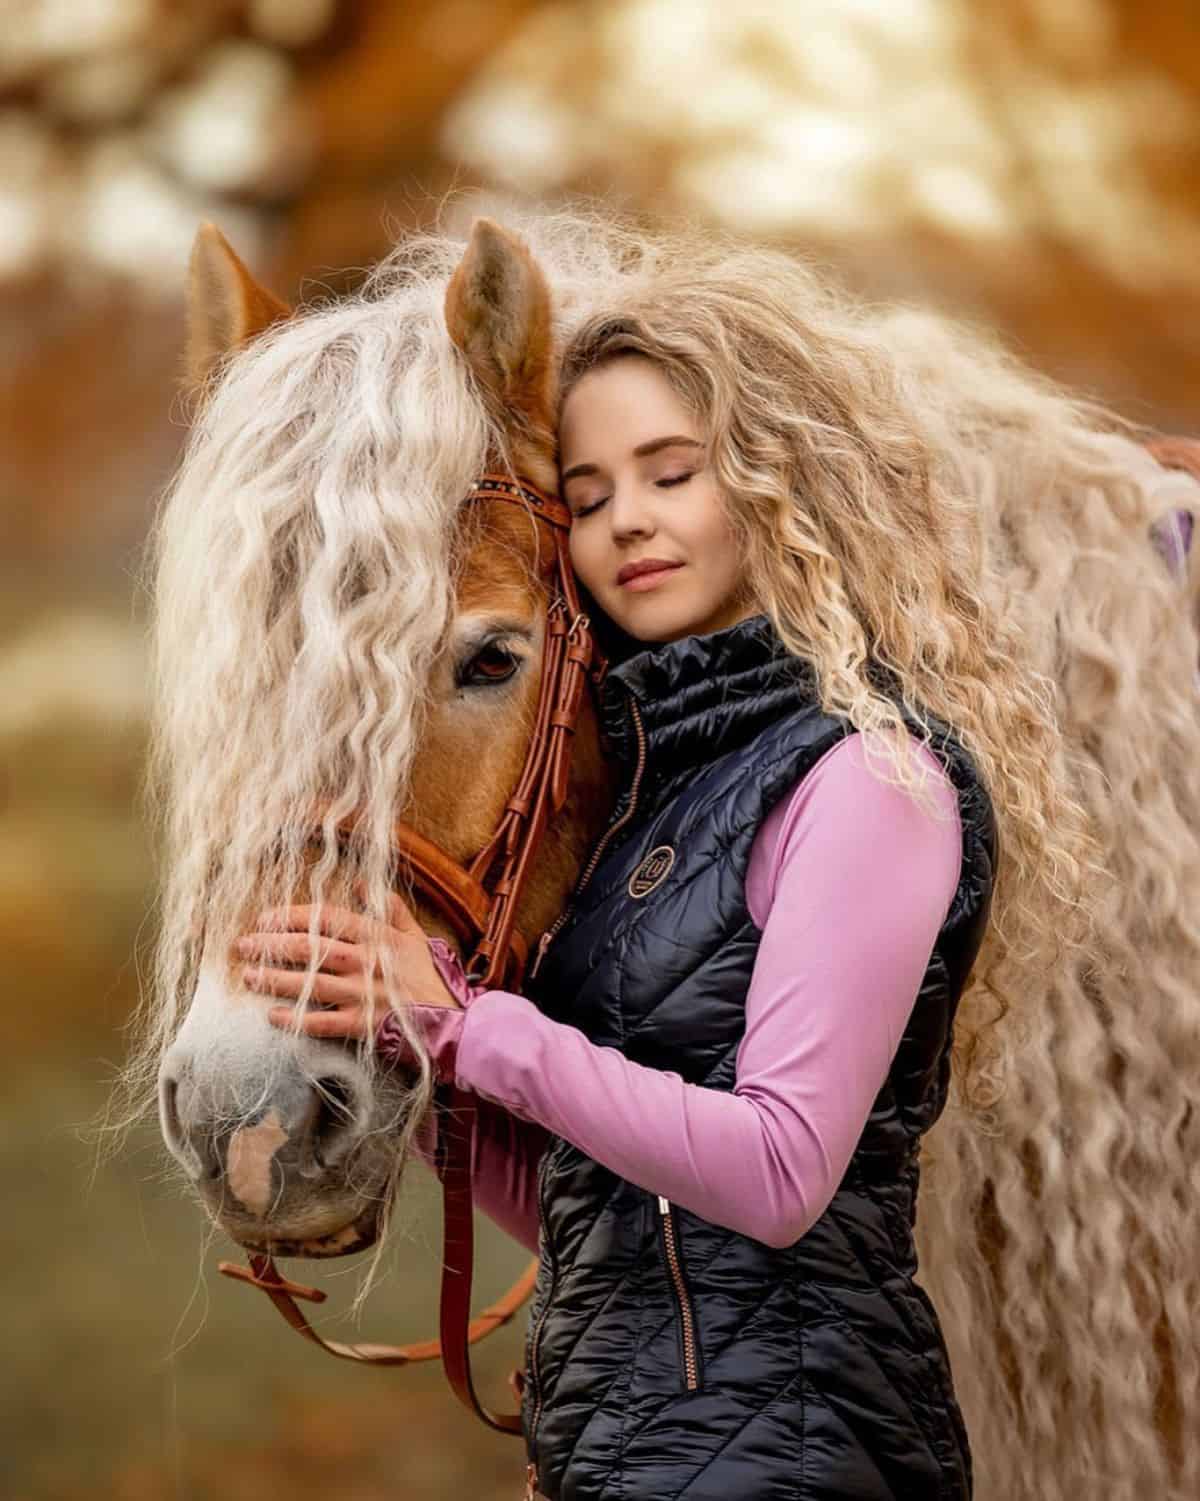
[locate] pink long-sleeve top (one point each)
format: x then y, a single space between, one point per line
849 881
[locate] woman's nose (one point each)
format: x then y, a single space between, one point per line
629 513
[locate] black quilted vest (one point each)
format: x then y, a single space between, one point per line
669 1357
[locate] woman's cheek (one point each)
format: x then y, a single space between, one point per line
581 560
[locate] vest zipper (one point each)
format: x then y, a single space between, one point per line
687 1314
546 939
551 932
536 1332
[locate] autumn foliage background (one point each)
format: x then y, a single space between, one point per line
1030 164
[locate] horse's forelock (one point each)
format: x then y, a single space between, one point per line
302 587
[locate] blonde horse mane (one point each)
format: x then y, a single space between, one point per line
1058 1231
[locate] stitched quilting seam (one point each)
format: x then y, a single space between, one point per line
905 1397
745 1320
779 1395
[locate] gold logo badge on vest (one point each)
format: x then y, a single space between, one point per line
652 871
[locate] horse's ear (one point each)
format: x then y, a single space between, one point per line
498 314
226 307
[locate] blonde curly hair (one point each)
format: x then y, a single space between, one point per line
908 496
867 551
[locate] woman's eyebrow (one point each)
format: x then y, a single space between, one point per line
577 471
655 444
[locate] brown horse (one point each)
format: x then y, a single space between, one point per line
344 645
282 1135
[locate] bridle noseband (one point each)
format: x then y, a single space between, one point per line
480 903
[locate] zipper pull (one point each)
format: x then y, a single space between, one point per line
664 1206
539 954
531 1480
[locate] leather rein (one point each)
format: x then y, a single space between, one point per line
481 911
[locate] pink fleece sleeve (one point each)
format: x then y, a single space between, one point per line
849 880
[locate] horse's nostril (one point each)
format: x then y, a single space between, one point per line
334 1129
168 1111
199 1158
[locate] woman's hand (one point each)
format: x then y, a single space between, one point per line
340 986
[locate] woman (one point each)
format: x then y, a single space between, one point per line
715 1091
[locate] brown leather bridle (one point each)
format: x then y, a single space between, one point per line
481 911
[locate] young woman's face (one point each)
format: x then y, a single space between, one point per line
636 479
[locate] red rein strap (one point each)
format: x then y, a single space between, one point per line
486 918
457 1329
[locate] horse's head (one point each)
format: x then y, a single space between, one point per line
341 645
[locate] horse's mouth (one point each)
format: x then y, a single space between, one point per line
358 1236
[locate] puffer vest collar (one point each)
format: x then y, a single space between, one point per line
700 697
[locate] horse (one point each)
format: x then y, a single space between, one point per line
456 648
345 621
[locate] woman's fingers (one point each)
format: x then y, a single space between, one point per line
333 922
345 943
329 990
340 922
335 957
341 1023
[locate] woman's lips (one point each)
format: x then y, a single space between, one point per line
649 580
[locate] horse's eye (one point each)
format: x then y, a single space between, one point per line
492 663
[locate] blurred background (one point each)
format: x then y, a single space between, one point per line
1031 164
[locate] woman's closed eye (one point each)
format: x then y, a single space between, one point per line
667 482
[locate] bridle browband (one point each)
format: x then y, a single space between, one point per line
481 911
